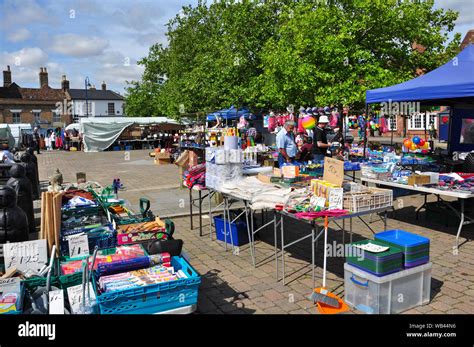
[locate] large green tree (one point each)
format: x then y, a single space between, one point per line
276 53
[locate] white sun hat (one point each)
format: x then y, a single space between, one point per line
323 119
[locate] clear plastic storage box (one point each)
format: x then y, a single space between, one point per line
393 293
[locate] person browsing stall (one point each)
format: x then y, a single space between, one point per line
320 140
285 141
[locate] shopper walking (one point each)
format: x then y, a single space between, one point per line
36 136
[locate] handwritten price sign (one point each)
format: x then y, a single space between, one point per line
78 245
24 256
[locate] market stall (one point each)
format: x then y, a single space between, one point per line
96 255
452 84
99 134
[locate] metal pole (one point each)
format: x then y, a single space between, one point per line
365 127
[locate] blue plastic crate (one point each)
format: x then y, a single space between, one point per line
128 148
238 230
153 298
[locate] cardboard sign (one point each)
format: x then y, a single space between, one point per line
333 171
336 196
56 302
10 285
75 297
78 245
26 256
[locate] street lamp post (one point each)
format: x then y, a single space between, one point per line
86 85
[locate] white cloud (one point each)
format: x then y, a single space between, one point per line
25 57
464 7
16 12
78 46
19 35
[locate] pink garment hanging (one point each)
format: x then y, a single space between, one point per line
301 129
314 215
272 123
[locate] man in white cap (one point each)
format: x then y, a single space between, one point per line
320 141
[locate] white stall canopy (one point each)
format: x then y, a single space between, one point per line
98 134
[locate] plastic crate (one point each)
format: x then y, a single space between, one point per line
238 230
153 298
81 211
103 239
394 293
373 199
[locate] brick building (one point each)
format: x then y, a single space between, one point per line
36 106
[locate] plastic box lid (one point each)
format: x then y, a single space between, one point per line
402 238
383 279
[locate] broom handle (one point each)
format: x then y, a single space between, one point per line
325 249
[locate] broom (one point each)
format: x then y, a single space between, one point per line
327 302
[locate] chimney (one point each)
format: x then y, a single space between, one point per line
104 86
43 75
7 77
92 87
64 84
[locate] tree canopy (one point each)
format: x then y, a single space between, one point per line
270 54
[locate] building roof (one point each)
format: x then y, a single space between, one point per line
44 93
10 92
28 95
468 39
94 94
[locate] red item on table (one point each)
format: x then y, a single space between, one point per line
314 215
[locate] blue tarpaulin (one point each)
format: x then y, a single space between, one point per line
455 79
230 114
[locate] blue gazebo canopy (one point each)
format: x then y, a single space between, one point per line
230 114
453 80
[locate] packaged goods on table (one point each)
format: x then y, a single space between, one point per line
11 290
104 256
138 232
138 278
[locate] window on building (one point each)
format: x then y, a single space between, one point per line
432 118
111 108
415 121
421 121
16 118
56 117
37 117
392 122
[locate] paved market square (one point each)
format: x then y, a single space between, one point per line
230 284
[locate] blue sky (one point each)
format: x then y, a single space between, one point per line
101 39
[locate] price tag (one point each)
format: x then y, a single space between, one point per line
26 256
75 296
10 285
318 201
78 245
336 198
56 302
